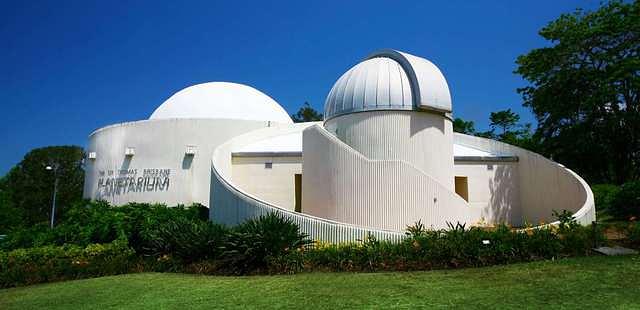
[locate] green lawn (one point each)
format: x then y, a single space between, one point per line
593 282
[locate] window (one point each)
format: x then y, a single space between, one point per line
268 165
462 187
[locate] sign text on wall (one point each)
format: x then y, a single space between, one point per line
118 181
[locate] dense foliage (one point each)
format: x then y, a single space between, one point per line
465 127
455 247
584 90
26 191
507 123
144 237
617 203
97 222
54 263
626 203
250 246
306 114
604 195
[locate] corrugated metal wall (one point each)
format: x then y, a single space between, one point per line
424 140
230 205
341 184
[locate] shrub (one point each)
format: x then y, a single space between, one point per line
186 239
575 238
455 247
97 222
626 203
603 195
97 240
55 263
250 246
633 234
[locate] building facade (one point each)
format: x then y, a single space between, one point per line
384 157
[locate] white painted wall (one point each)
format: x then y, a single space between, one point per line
275 186
231 205
422 139
496 191
544 185
160 144
340 184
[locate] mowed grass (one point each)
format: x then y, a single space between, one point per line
591 282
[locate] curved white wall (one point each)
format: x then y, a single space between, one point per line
422 139
161 145
275 185
544 185
231 205
494 187
341 184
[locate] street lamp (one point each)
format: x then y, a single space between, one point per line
54 168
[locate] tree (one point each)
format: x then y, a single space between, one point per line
584 91
306 114
462 126
28 187
10 216
504 119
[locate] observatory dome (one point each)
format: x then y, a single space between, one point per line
222 100
389 80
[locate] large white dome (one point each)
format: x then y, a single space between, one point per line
389 80
222 100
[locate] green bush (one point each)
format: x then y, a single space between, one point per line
633 234
250 246
157 238
603 195
56 263
97 222
186 239
455 247
626 203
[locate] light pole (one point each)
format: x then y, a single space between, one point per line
54 168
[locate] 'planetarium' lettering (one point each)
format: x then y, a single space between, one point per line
123 181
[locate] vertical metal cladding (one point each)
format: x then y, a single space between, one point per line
544 185
231 206
341 184
424 140
375 84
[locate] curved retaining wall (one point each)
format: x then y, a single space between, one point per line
341 184
230 205
563 189
159 145
544 185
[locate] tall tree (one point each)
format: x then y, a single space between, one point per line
306 114
584 91
505 119
10 216
462 126
29 185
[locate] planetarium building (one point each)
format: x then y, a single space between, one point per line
384 157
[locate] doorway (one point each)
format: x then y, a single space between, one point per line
462 187
298 190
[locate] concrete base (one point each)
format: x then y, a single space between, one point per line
616 250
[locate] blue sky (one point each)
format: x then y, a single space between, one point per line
69 67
